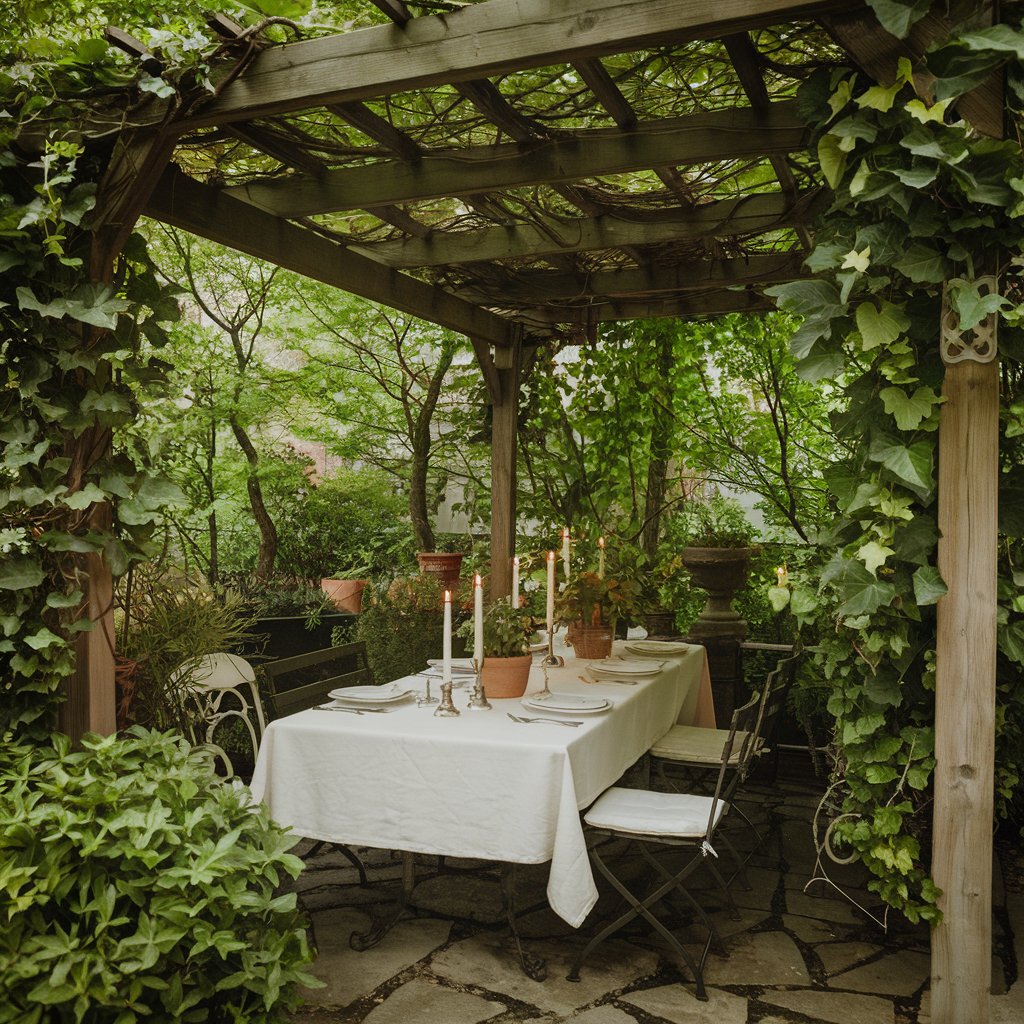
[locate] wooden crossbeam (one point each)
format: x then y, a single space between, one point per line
209 212
750 215
695 307
377 128
698 138
537 287
478 41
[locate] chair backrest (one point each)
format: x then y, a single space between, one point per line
214 672
295 684
732 772
774 694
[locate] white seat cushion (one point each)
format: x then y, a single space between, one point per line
697 745
679 815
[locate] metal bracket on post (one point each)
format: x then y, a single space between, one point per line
978 344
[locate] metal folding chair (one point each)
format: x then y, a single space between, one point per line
660 825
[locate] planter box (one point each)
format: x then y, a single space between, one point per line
285 636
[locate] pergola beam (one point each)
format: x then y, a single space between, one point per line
478 41
749 215
535 287
705 137
209 212
698 306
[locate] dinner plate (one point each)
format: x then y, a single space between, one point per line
622 667
569 703
649 647
460 666
370 694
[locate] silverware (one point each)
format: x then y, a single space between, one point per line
551 721
623 682
352 711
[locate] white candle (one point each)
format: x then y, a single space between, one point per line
600 557
551 592
515 582
781 576
565 550
446 653
478 621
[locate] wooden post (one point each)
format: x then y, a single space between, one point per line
504 423
965 693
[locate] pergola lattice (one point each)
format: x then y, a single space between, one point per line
523 170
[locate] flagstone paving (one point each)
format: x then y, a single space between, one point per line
796 956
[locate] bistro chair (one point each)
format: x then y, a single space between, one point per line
221 688
661 826
688 755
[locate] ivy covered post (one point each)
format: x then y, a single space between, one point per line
965 678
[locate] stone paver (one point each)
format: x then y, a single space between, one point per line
900 974
835 1007
678 1005
420 1000
350 975
838 956
603 1015
487 962
765 958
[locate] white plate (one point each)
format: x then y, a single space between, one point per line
646 648
569 703
370 694
437 672
617 667
460 666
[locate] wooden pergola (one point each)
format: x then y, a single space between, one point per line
523 170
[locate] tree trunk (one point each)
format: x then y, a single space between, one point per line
657 467
268 532
421 443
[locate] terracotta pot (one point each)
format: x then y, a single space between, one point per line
506 677
591 642
446 565
721 572
347 595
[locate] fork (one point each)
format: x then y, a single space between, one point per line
550 721
351 711
605 679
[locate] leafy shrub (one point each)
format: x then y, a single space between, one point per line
718 522
507 630
401 626
135 886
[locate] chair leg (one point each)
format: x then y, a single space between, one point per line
641 908
534 967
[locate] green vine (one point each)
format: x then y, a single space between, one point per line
919 200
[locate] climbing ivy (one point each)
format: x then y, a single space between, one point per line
919 199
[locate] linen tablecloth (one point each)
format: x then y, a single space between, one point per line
480 785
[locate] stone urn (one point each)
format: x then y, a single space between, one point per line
721 572
506 677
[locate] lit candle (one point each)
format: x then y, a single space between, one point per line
565 550
478 621
551 592
446 653
781 576
600 557
515 582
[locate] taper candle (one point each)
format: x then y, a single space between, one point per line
565 550
600 557
515 582
446 651
781 576
551 592
478 621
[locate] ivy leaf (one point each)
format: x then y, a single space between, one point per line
1011 641
909 411
862 594
873 555
88 495
1001 38
917 177
41 640
778 597
935 113
896 17
880 326
819 299
912 464
859 261
915 542
821 363
922 264
970 304
928 585
20 574
832 159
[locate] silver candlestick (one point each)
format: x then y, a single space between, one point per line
447 708
478 699
546 692
551 659
426 700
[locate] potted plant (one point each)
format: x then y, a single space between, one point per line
345 588
507 659
719 546
591 606
445 563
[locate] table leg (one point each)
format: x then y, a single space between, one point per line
381 924
533 966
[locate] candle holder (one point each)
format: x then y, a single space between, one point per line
551 659
447 708
426 700
546 692
478 699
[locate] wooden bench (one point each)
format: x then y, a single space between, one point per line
303 681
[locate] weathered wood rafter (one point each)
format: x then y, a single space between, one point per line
714 303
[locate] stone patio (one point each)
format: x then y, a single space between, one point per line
795 955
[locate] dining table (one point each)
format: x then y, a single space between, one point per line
480 785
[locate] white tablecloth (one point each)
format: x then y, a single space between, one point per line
479 785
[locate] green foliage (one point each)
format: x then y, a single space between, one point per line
919 199
717 522
402 626
507 630
593 600
134 885
172 620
